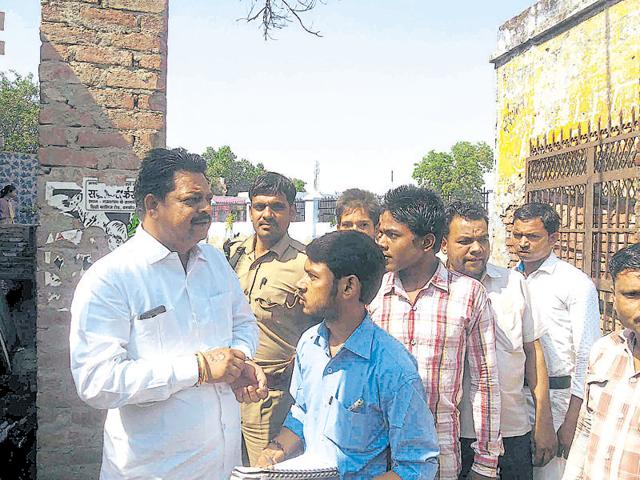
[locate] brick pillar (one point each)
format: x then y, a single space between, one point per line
103 105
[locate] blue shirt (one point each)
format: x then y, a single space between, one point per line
351 408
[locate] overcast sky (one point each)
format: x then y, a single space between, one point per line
387 82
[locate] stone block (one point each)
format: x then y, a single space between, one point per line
59 12
52 135
64 115
148 61
108 19
154 24
103 55
63 34
62 156
134 79
148 6
136 120
57 71
140 42
93 137
50 52
112 98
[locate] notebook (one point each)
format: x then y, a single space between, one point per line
304 467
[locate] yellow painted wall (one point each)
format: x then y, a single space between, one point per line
587 72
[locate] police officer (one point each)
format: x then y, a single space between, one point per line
269 264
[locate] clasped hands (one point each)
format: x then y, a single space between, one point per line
228 365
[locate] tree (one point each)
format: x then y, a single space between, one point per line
277 14
19 108
238 175
301 185
457 174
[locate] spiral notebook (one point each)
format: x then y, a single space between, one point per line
304 467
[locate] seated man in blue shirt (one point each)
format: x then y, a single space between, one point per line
359 401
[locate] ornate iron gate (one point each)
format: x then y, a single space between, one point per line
591 180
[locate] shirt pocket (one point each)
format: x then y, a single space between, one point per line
508 328
597 395
153 337
351 430
216 327
279 309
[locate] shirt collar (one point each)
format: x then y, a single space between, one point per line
359 342
279 248
629 337
548 266
440 279
491 271
153 250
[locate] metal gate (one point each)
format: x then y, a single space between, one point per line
591 180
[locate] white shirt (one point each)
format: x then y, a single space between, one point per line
566 301
515 326
159 423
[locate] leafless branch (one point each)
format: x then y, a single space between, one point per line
277 14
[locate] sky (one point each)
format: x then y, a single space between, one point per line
387 82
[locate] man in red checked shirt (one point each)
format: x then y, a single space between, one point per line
442 318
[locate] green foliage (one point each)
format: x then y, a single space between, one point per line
19 108
456 174
133 225
238 175
301 185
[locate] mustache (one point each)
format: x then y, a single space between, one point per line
201 219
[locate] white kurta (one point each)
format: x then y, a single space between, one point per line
515 326
159 423
566 301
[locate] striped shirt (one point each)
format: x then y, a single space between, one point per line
606 445
450 317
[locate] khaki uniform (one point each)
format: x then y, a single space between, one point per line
269 283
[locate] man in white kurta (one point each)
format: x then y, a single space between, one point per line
566 301
159 327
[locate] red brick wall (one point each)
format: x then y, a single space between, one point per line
103 105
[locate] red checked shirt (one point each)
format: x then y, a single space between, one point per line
451 317
606 445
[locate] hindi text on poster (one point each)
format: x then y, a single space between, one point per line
100 197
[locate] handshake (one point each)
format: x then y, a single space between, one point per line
228 365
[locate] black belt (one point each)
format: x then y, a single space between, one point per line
557 383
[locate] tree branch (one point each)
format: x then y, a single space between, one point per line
277 14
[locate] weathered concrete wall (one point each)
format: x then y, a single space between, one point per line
21 169
584 67
103 105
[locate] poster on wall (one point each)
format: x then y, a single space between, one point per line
95 204
100 197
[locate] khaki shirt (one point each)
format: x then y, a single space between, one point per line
269 283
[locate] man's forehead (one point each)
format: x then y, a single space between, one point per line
629 278
315 267
269 198
355 214
388 221
531 224
189 181
469 226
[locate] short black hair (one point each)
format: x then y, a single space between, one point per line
355 198
545 212
272 183
626 259
7 190
420 209
466 210
349 252
157 172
